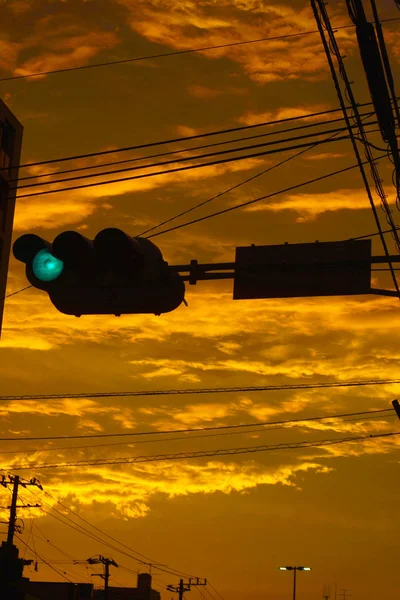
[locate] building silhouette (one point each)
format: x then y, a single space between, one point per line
143 591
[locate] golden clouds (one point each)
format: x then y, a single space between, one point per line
286 112
51 211
310 205
101 486
194 24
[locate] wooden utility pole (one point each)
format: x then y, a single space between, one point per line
15 482
11 566
106 575
186 586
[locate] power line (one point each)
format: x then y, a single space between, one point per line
82 530
180 169
152 562
213 588
17 292
184 138
177 52
185 391
199 453
331 47
267 196
263 429
243 182
360 237
193 148
203 156
45 561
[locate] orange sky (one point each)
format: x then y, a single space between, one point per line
231 519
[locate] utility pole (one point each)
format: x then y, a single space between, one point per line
186 586
106 575
11 566
15 482
344 594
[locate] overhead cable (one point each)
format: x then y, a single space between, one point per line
198 454
179 169
203 156
236 186
61 573
331 47
198 435
66 520
267 196
201 147
177 52
259 427
185 391
185 138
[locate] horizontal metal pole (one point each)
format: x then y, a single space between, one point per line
196 267
209 276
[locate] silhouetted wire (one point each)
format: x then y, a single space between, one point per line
367 235
178 169
44 537
178 52
71 523
268 426
213 588
184 138
43 560
17 292
198 454
271 195
220 194
186 391
201 157
207 591
191 149
331 47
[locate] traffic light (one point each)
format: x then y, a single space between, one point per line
112 274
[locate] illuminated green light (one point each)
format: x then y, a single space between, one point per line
47 267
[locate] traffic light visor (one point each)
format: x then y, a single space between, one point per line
47 267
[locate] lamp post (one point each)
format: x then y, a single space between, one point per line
294 569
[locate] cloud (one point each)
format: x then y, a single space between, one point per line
324 156
49 212
67 52
204 92
198 23
310 205
128 492
287 112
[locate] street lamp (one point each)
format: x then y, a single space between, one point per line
294 569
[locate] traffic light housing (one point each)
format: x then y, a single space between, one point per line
112 274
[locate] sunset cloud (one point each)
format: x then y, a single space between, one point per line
310 206
191 25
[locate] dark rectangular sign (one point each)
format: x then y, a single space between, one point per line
294 270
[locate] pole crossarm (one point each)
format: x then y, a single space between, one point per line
186 586
96 560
